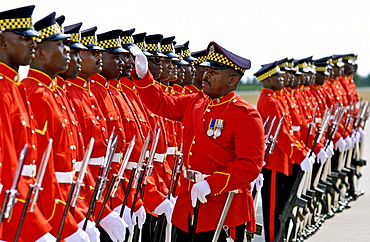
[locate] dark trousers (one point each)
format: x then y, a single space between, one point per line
275 193
207 236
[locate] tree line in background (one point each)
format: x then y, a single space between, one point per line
251 83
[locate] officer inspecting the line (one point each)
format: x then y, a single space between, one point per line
219 156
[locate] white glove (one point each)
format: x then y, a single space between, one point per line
173 200
322 156
141 216
141 62
306 164
362 134
115 226
356 137
91 230
129 220
258 181
199 191
165 207
330 149
46 238
340 145
348 141
78 236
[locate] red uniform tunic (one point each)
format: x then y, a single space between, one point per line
51 123
288 147
189 89
140 120
232 160
92 124
17 129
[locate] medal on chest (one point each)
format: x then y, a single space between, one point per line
215 128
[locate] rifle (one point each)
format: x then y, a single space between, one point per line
176 170
10 195
116 179
268 137
274 138
102 177
133 175
294 200
312 124
149 165
120 175
74 192
138 180
224 212
33 192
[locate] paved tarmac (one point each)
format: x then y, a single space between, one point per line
352 224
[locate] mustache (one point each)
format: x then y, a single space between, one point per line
99 61
205 80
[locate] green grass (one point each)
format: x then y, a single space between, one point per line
252 96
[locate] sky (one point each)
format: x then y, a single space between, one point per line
260 30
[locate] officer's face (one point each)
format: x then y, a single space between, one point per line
287 78
189 74
277 82
217 83
173 74
112 65
320 78
180 74
74 66
54 55
20 49
167 68
91 63
128 61
155 66
199 76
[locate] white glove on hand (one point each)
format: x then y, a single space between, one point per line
141 62
129 220
330 149
115 226
78 236
322 156
173 200
306 164
141 217
199 191
340 145
348 141
362 134
259 182
165 207
46 238
91 230
356 137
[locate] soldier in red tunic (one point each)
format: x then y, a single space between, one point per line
18 127
51 58
219 156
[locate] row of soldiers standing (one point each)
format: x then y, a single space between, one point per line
79 87
323 121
